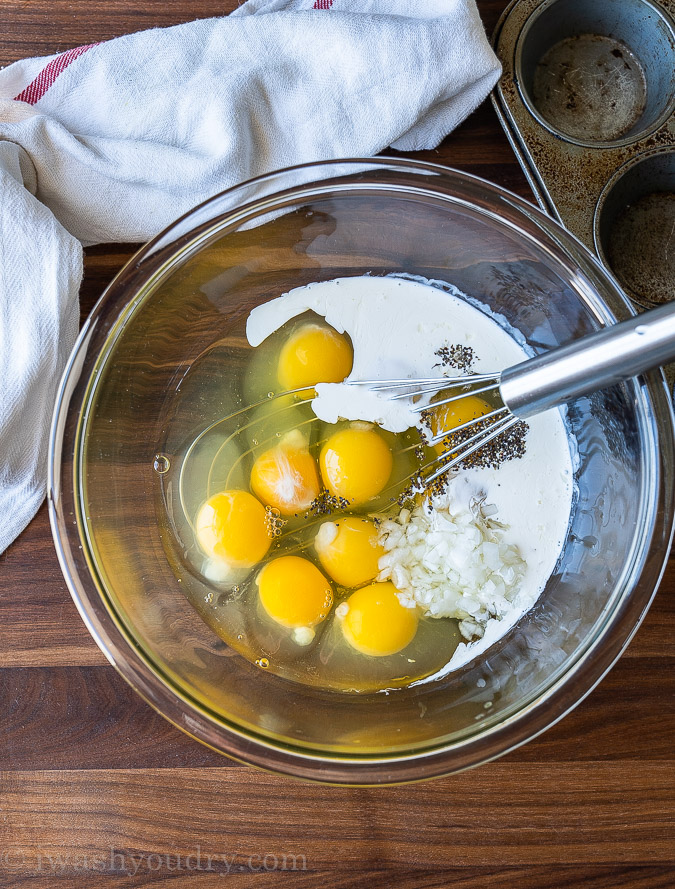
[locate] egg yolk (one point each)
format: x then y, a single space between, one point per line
349 550
232 527
285 476
376 623
314 354
293 592
449 416
356 464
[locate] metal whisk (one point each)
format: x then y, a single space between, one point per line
598 360
593 362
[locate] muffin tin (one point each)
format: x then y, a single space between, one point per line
587 99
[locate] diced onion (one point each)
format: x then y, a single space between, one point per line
452 562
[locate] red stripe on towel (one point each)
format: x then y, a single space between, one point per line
39 86
322 4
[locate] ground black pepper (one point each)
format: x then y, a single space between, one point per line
325 503
457 356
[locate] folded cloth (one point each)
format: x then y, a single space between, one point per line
111 142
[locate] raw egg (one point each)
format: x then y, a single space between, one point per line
375 623
449 416
349 550
232 527
294 593
356 463
285 476
314 354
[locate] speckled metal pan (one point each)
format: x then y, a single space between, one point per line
587 99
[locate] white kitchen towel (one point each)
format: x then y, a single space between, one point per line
112 141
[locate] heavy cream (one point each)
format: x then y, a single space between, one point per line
396 326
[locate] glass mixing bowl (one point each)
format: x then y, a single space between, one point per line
126 411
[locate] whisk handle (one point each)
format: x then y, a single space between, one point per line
593 362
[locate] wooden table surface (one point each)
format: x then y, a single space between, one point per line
96 789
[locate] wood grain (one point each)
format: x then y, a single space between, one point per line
495 877
461 821
96 789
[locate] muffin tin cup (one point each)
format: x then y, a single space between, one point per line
587 99
634 227
579 77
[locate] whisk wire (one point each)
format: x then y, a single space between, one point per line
419 408
500 412
439 382
471 445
